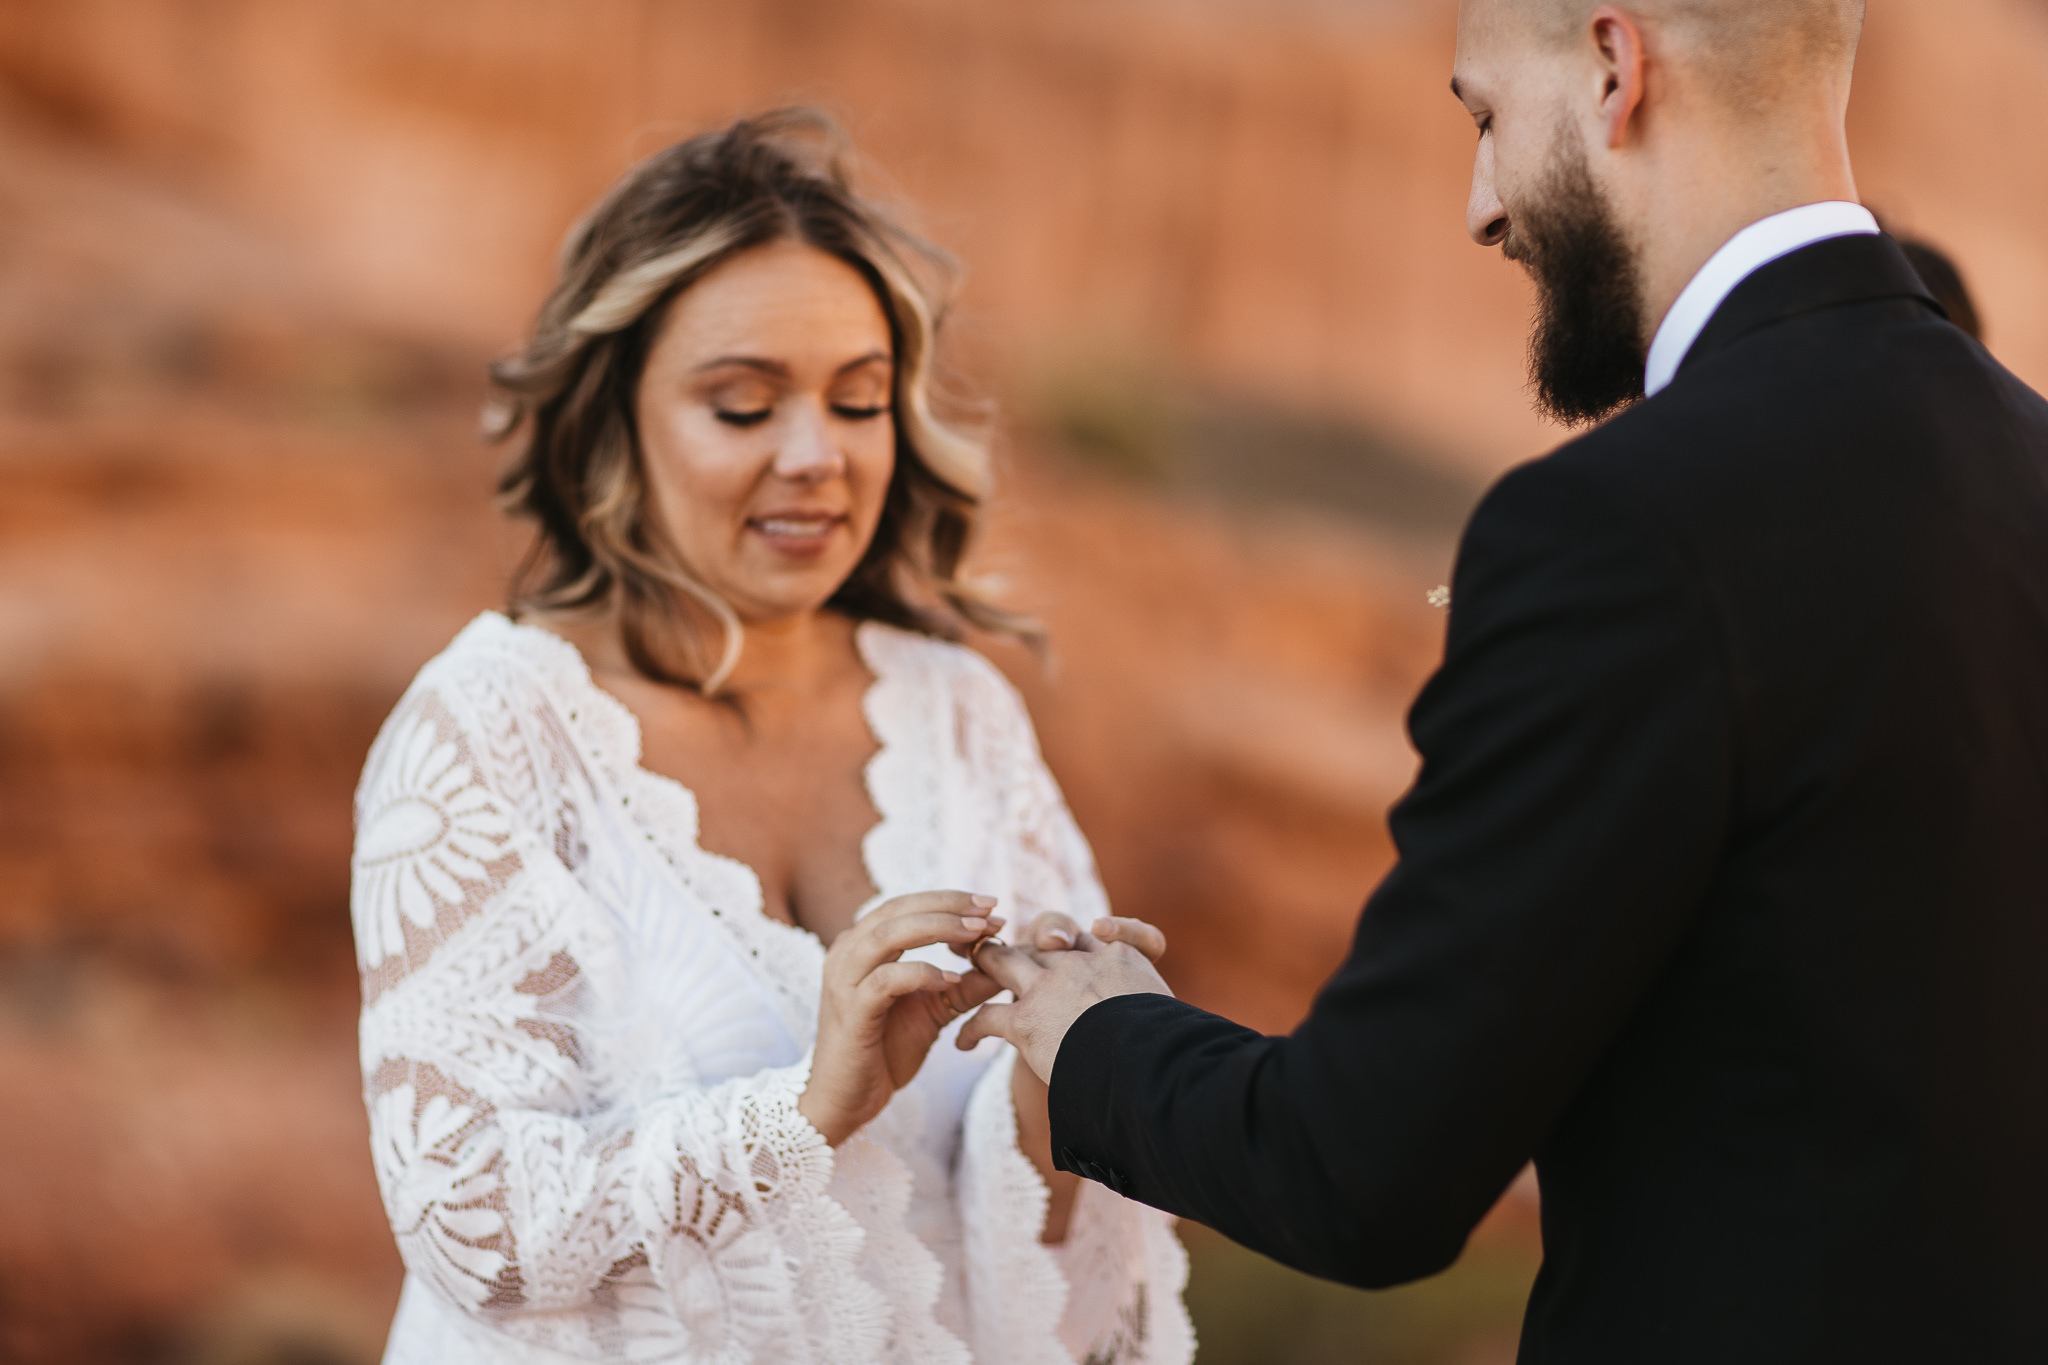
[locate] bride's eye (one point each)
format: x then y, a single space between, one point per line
748 417
859 412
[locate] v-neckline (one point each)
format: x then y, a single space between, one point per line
637 771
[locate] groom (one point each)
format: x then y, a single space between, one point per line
1723 891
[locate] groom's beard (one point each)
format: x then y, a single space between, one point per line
1586 355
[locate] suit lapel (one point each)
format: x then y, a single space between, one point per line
1829 273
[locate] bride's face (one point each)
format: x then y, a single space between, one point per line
766 428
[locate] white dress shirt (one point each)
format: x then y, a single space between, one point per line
1741 256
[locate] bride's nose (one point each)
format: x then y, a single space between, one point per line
808 453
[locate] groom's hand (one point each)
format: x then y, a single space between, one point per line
1053 989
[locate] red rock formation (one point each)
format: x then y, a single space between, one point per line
1266 191
235 519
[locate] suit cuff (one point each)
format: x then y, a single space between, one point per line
1090 1105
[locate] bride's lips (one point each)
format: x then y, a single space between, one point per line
796 530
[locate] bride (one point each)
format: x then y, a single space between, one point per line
649 973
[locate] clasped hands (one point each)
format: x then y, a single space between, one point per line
878 1015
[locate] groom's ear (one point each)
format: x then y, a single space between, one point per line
1617 42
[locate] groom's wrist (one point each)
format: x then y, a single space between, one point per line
1082 1097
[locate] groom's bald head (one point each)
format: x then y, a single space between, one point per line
1622 141
1744 49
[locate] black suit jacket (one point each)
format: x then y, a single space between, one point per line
1723 890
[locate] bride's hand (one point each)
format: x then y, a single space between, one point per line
878 1016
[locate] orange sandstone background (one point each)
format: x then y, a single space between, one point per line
253 254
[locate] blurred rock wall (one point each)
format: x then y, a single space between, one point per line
1268 192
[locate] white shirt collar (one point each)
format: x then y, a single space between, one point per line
1741 256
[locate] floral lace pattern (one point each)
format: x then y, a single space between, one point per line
583 1043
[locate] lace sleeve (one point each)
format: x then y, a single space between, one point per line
1110 1294
524 1190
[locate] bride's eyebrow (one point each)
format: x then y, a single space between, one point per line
778 370
869 359
746 362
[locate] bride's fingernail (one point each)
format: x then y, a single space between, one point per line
983 902
974 923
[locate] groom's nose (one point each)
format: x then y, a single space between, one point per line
1486 218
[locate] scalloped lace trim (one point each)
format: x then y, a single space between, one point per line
790 959
905 776
872 1182
1018 1294
1108 1295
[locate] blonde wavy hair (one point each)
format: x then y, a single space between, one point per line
578 473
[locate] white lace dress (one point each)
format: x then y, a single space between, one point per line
583 1042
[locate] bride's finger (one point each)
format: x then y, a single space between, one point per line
1134 932
893 980
873 941
990 1021
958 902
1052 932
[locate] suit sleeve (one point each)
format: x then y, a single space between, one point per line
1577 753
